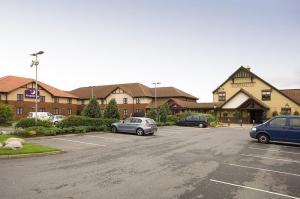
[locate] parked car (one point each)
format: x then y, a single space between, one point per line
40 115
280 128
138 125
193 120
57 118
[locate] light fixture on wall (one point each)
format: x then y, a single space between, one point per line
287 106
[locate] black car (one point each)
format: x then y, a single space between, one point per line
193 120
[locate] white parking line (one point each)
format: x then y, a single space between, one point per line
264 157
88 143
100 137
274 150
255 189
261 169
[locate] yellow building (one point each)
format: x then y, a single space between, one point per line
248 98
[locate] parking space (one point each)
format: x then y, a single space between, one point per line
177 162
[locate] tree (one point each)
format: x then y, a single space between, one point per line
164 111
92 109
152 114
6 114
112 111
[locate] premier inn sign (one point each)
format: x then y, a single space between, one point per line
30 93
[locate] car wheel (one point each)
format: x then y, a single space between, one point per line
140 132
201 125
114 129
263 138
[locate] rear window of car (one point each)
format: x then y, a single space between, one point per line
295 122
150 121
278 122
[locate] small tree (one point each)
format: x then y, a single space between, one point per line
275 113
164 111
296 113
152 114
92 109
6 114
112 111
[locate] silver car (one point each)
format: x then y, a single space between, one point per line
138 125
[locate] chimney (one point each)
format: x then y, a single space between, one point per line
248 68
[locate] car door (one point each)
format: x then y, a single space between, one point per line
123 127
134 123
277 129
196 120
294 130
189 121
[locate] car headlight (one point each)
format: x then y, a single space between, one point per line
253 129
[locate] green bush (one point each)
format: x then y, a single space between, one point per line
275 113
6 114
173 118
112 111
92 109
76 120
152 114
296 113
30 122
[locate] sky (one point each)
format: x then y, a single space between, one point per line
193 45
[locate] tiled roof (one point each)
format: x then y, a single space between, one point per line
184 104
133 89
292 93
11 83
171 92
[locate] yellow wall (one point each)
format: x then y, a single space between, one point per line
277 101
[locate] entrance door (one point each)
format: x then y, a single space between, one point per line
256 116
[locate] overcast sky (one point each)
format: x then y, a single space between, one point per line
193 45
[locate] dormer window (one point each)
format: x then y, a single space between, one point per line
222 96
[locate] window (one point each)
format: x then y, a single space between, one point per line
189 118
222 96
56 99
69 101
138 100
56 111
295 122
42 98
125 101
136 120
82 102
125 112
138 110
69 111
278 122
19 110
286 111
42 110
266 95
20 97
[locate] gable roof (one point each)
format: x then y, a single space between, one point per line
11 83
133 89
257 77
171 92
250 97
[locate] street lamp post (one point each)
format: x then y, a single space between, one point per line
36 63
155 85
92 91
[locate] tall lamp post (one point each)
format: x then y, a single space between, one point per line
36 63
92 91
155 85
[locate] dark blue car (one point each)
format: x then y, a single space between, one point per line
280 128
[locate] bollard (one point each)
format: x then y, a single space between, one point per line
253 122
228 121
241 122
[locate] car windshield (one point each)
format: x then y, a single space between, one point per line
150 121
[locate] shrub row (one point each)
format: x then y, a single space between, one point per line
51 131
75 120
30 122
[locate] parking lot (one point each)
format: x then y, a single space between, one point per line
175 163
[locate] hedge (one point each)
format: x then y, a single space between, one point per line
75 120
30 122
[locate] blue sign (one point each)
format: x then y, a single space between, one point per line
30 93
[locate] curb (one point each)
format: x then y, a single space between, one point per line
31 155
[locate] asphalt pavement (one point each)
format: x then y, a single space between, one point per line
175 163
